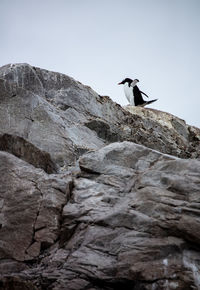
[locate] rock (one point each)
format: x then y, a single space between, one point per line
31 208
168 131
21 148
64 118
163 118
16 283
135 217
93 196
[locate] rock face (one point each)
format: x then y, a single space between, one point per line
93 196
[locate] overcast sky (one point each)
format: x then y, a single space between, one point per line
100 42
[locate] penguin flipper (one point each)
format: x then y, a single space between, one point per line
149 102
144 94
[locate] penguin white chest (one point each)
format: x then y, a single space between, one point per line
129 94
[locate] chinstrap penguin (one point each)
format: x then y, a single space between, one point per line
133 93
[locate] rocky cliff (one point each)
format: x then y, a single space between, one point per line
93 196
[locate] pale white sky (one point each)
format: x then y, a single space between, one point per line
100 42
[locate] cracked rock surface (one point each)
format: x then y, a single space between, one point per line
31 208
93 196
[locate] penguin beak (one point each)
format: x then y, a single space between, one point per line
119 83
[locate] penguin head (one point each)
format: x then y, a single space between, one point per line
129 81
134 82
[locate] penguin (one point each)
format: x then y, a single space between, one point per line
134 94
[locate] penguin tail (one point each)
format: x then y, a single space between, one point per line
149 102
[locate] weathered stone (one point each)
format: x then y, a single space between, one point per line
21 148
16 283
132 222
53 112
77 213
31 201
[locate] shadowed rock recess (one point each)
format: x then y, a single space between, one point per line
92 195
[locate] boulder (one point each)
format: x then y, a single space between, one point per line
132 222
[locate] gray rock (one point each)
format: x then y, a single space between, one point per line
21 148
31 208
65 118
132 222
136 219
78 211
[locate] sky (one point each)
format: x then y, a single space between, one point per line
101 42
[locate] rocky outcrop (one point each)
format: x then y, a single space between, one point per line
23 149
65 118
93 196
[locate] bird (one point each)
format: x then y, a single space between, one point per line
133 93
